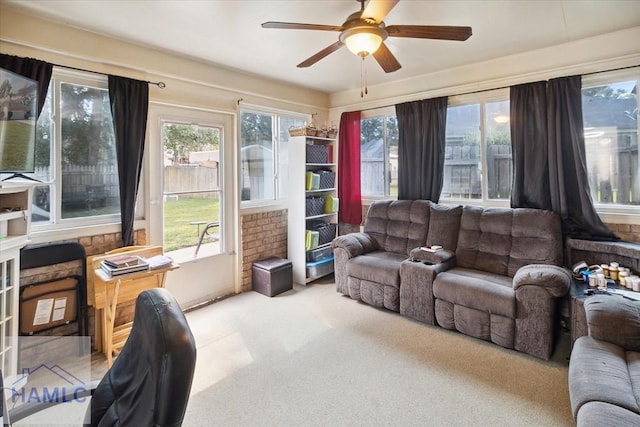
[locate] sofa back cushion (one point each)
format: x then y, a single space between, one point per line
398 225
537 239
501 240
444 225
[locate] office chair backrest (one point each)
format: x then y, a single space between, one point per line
150 381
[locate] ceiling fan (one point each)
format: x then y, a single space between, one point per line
364 33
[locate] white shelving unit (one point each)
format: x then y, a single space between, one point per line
15 224
297 219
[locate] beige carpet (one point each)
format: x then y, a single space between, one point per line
311 357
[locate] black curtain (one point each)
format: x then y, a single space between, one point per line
570 193
549 160
528 112
129 105
421 142
30 68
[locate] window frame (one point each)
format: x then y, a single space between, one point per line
278 199
383 112
482 98
57 227
614 212
609 213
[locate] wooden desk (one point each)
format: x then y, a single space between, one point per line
104 293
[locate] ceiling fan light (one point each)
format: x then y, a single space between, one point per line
363 43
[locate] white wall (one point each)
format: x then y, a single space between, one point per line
189 81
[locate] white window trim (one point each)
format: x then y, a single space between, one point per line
64 228
611 212
278 202
496 95
383 112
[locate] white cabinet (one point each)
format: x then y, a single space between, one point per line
15 222
307 206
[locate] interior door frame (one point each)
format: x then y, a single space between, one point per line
223 266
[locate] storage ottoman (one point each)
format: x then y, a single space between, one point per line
272 276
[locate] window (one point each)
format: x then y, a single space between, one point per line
379 156
264 154
76 154
610 114
478 162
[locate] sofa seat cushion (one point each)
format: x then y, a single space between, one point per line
476 289
377 267
606 414
603 372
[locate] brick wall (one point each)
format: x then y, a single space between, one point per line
626 232
262 235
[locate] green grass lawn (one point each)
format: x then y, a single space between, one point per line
178 216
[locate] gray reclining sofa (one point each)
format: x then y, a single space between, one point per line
498 276
604 371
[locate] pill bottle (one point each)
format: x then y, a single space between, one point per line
622 278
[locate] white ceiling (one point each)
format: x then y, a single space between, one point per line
228 33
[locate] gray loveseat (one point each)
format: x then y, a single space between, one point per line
498 276
604 371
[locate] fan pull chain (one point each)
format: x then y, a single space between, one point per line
363 79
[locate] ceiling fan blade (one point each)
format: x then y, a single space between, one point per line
385 58
298 26
378 9
440 32
318 56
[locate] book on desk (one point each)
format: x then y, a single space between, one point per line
123 261
140 265
133 264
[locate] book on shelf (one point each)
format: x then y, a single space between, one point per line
140 265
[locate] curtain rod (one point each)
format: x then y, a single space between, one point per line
506 87
161 85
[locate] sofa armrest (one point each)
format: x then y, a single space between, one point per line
614 319
346 247
537 288
355 244
555 280
437 257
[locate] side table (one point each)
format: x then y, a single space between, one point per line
104 293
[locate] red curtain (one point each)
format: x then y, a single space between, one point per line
349 195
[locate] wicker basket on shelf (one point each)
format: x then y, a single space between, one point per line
303 131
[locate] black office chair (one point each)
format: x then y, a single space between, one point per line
150 381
